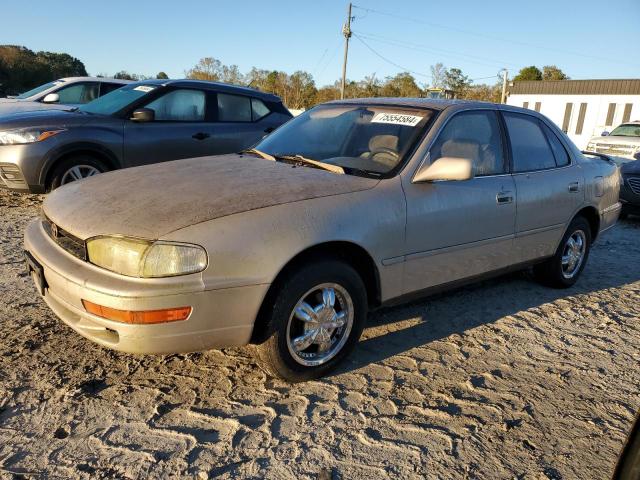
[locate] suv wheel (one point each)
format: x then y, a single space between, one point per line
316 320
75 168
563 269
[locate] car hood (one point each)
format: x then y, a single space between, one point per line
154 200
616 140
43 118
631 167
15 106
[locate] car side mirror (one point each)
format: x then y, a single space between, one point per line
444 168
51 98
605 134
143 115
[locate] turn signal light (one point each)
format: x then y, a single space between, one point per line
143 317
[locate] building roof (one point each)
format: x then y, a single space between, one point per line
576 87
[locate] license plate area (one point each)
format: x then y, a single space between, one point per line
36 272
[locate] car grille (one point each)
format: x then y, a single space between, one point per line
634 184
65 240
614 149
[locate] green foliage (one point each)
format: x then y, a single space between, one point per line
124 75
529 73
162 76
551 72
21 69
455 80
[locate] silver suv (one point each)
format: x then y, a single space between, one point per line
144 122
61 94
622 144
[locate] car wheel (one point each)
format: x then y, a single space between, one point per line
563 269
75 168
623 214
316 320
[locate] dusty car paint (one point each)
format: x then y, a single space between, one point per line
254 216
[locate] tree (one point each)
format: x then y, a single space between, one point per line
124 75
61 64
529 73
455 80
162 76
208 68
484 93
402 85
551 72
231 74
438 75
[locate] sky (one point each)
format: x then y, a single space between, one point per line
585 38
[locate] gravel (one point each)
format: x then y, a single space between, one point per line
503 379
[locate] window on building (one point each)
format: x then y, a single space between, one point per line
610 114
567 117
525 104
626 116
581 115
538 105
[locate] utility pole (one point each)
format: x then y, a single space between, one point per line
346 31
505 74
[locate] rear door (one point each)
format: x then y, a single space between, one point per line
460 229
548 185
183 128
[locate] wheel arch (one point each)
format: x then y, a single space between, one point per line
351 253
590 213
99 152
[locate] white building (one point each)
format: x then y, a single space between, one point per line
581 108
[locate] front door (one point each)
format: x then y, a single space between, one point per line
181 129
549 187
460 229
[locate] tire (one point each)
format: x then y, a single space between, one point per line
552 272
62 172
623 214
278 356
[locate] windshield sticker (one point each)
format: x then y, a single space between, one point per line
144 88
397 119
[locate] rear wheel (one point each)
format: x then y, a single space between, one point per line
563 269
75 168
316 320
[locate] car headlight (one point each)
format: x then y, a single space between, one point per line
135 257
26 135
591 147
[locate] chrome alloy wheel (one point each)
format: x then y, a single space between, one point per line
320 324
78 172
573 253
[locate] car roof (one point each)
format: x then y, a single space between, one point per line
434 103
210 85
92 79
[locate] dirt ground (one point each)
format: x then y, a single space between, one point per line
504 379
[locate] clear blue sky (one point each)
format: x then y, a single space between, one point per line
586 38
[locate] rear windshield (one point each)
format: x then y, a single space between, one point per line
115 101
369 138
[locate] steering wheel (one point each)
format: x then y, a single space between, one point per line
384 151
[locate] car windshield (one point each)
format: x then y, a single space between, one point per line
35 91
115 101
369 139
627 130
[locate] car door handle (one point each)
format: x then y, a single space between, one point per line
200 135
504 197
574 187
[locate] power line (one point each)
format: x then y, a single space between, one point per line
387 60
491 37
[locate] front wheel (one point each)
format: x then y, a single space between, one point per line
75 168
316 320
563 269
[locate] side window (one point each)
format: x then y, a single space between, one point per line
529 145
258 109
109 87
562 157
474 135
234 108
78 93
179 106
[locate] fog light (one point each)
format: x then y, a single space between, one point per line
143 317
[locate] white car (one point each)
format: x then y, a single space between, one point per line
622 144
61 94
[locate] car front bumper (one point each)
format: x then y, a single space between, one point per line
219 318
21 166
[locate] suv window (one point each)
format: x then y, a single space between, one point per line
109 87
234 108
258 109
78 93
179 106
529 145
474 135
562 157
